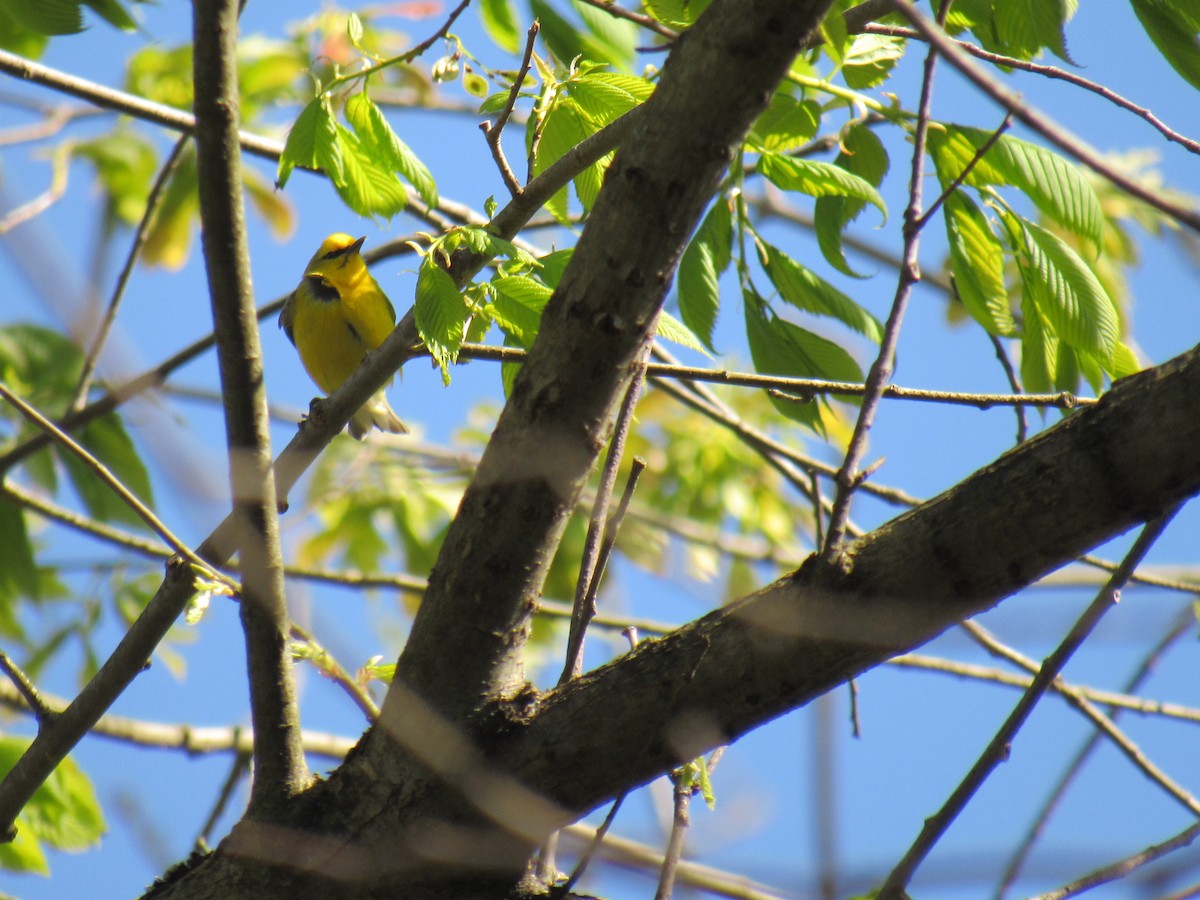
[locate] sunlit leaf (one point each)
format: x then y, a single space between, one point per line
706 257
977 262
441 315
805 290
862 154
818 179
1174 26
500 22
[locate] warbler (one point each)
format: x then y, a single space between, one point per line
335 317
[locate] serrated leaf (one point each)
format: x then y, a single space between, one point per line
563 38
706 257
1067 293
18 568
676 13
500 22
113 13
518 304
107 440
780 348
363 184
49 17
817 179
1174 27
977 262
604 97
553 265
1026 26
308 141
805 290
862 154
385 148
870 60
671 329
786 124
441 315
1057 188
566 126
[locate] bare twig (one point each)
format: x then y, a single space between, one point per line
1122 868
680 822
494 132
1182 625
102 472
59 167
601 531
153 202
1104 725
966 171
1041 123
238 770
996 751
25 688
279 764
1010 62
881 368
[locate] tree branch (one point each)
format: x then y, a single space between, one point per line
279 767
1090 478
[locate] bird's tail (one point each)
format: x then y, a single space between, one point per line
376 413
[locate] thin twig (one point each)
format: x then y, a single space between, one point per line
1041 123
328 666
1103 723
647 22
153 202
881 368
1014 381
804 389
102 472
1122 868
192 740
997 749
1010 62
1182 626
237 771
600 530
680 822
25 688
589 851
962 176
493 132
59 167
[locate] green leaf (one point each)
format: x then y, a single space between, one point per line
63 812
106 439
310 142
126 164
509 370
862 154
1026 26
24 854
605 96
552 265
606 37
786 124
870 60
441 315
364 185
50 17
1057 188
1174 26
780 348
817 179
977 262
1067 293
671 329
18 38
676 14
518 306
705 258
18 568
566 126
805 290
385 148
500 22
113 13
1039 349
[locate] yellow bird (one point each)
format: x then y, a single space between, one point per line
335 317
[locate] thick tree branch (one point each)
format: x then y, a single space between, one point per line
279 766
468 638
1043 504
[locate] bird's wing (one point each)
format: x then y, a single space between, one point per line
285 316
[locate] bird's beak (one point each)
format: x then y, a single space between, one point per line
356 247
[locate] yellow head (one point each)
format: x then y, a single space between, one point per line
338 260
